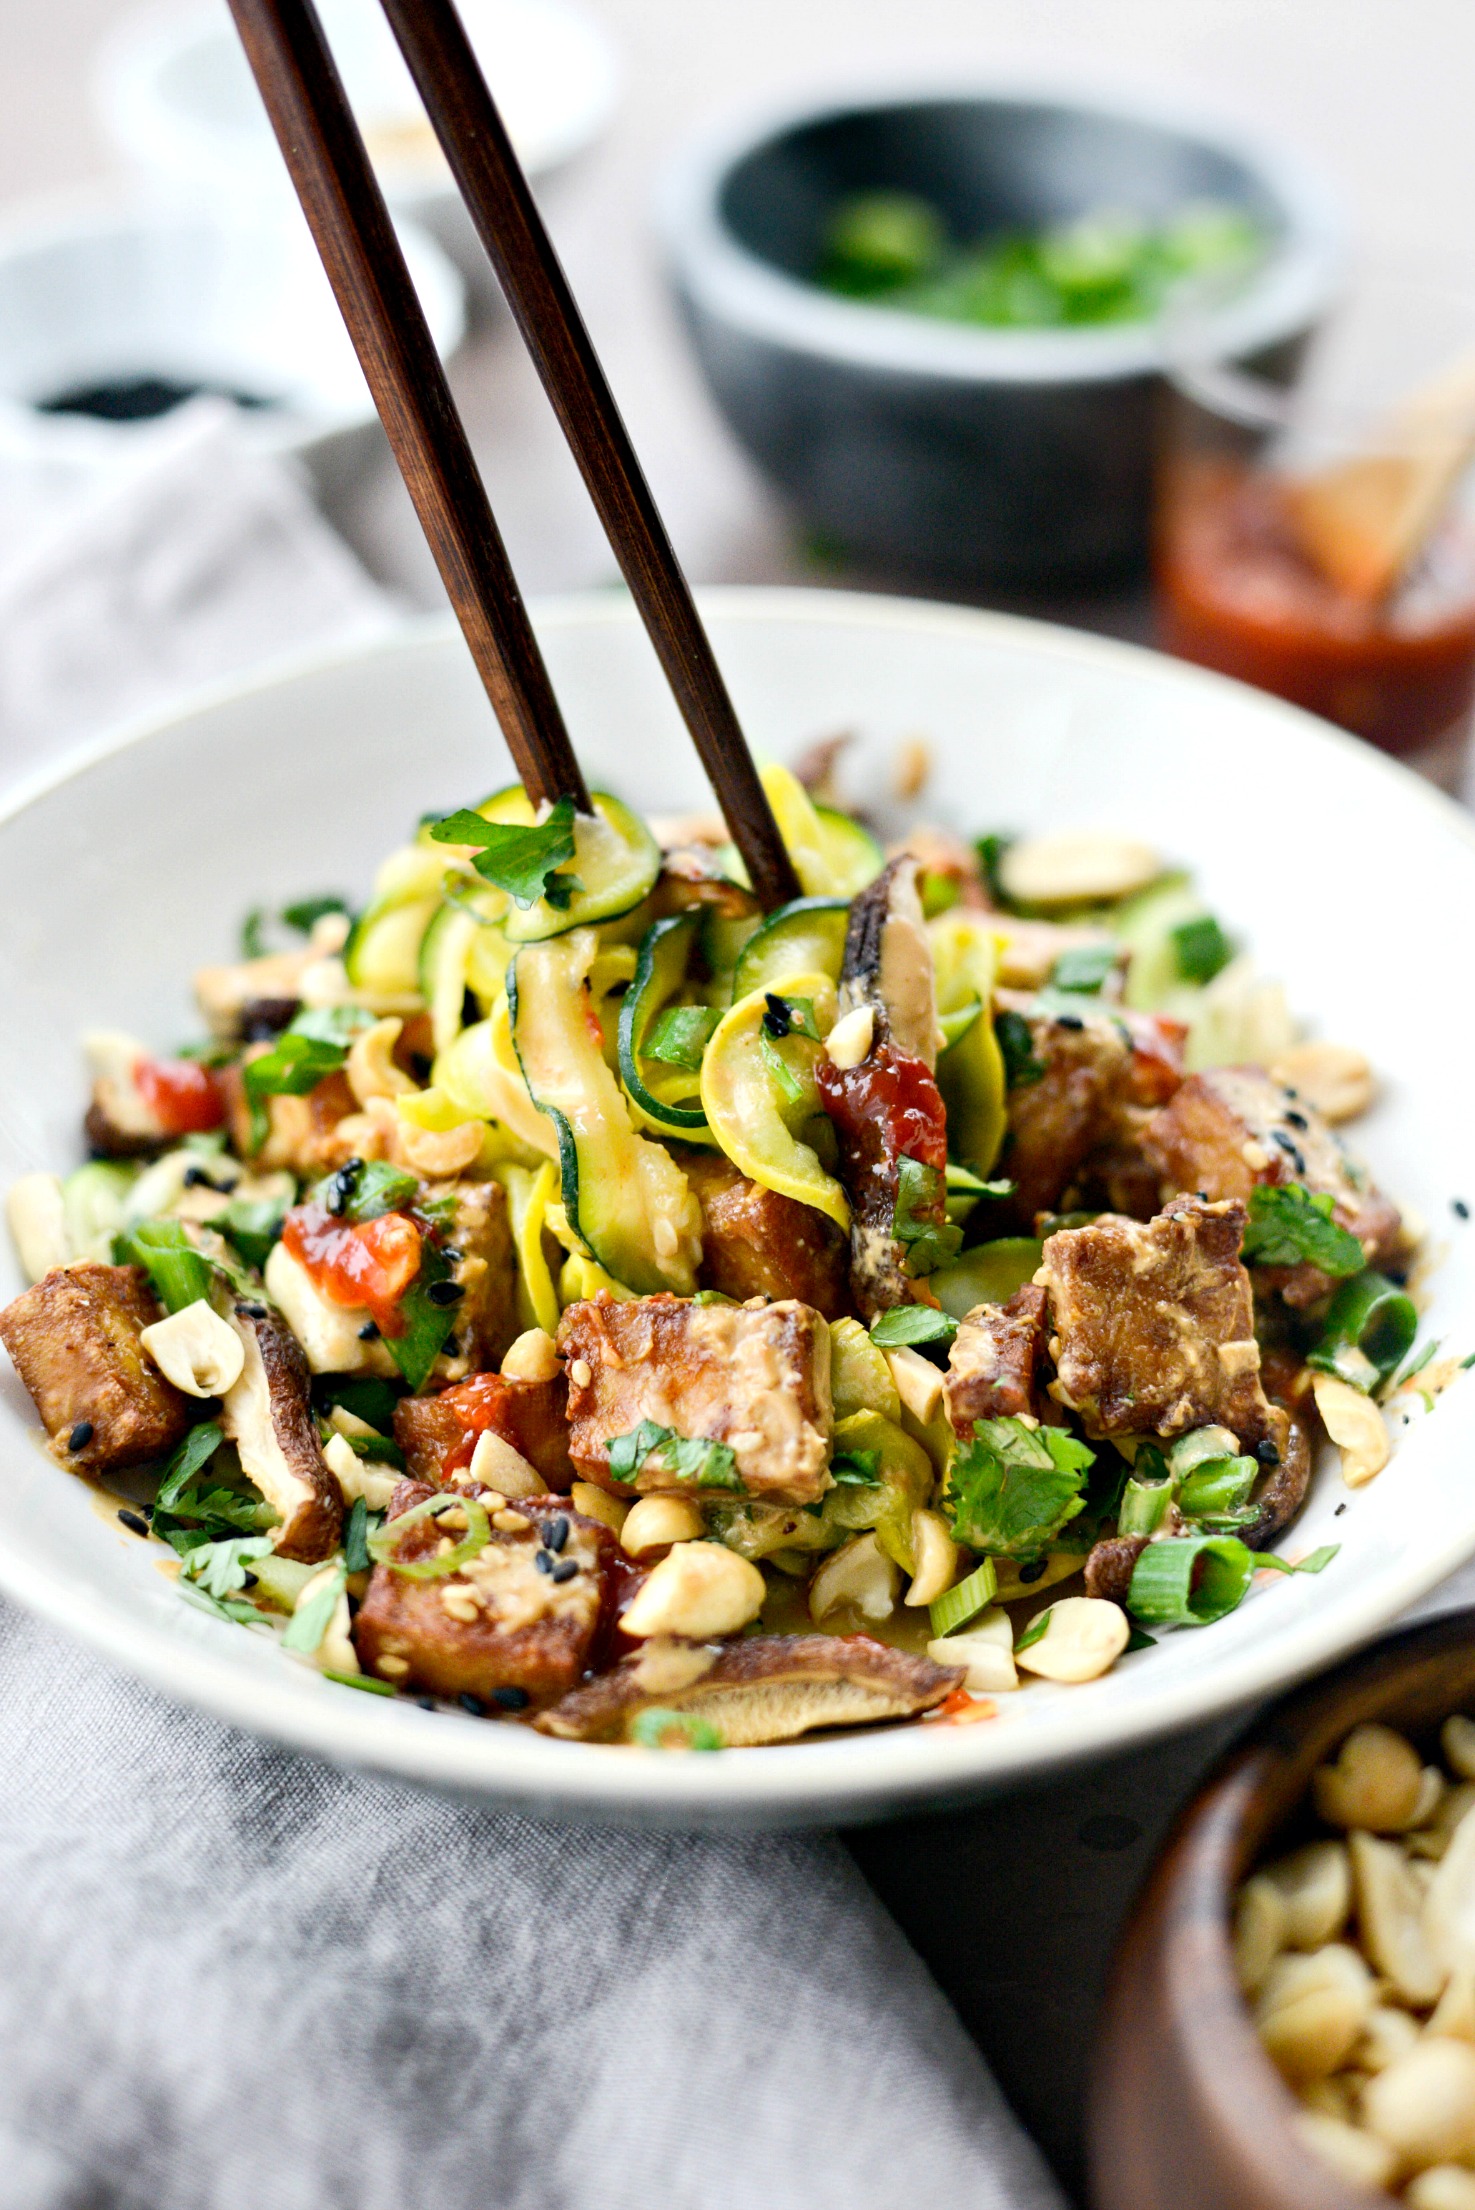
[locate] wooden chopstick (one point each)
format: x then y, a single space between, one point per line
492 183
345 209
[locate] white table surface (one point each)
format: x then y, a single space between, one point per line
1015 1906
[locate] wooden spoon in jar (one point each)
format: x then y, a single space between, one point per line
1365 521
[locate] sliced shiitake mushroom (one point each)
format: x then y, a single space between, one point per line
268 1416
767 1688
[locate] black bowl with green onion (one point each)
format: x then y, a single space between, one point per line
935 319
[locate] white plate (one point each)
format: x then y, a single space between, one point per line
1352 881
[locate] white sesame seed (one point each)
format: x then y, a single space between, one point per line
581 1373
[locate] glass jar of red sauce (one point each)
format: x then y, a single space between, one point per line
1237 589
1236 592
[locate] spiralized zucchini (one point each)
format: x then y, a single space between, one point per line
529 1195
757 1126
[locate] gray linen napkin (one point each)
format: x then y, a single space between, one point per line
231 1974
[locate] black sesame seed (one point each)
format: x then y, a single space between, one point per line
777 1019
1290 1149
511 1699
135 1524
251 1579
81 1435
369 1332
427 1703
1267 1453
1071 1021
1033 1571
334 1198
1297 1120
444 1293
253 1312
1341 1508
545 1561
566 1570
471 1703
555 1534
194 1176
1459 1208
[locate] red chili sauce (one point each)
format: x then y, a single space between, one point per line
1237 593
184 1098
887 1108
368 1264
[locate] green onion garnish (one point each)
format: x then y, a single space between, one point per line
956 1606
1190 1580
383 1544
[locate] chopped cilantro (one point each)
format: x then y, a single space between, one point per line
234 1609
305 914
372 1189
187 1516
253 942
681 1035
313 1047
1200 948
1084 968
1292 1223
912 1324
220 1568
520 860
253 1225
427 1324
991 850
356 1537
181 1275
1016 1045
1013 1488
920 1194
688 1458
1035 1632
370 1400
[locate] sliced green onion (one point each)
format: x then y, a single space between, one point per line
1369 1328
1190 1580
365 1681
1316 1563
356 1537
383 1544
1036 1631
1144 1507
310 1621
659 1729
956 1606
1217 1486
1199 1446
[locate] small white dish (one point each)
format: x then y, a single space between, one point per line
176 97
231 297
1350 880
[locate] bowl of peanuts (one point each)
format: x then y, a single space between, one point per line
1291 2019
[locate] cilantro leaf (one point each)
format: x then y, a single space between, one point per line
190 1457
427 1324
920 1193
181 1275
1291 1223
911 1324
220 1568
1201 949
314 1046
1013 1488
1016 1045
372 1189
681 1035
697 1459
253 1225
307 912
517 859
1084 968
234 1609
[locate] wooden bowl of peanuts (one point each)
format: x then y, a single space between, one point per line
1291 2018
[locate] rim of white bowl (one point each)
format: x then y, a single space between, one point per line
1298 283
846 1779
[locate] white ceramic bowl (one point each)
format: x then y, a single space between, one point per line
93 291
177 99
1353 881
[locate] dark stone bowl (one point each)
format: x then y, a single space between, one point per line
936 451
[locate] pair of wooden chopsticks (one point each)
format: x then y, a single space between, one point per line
345 209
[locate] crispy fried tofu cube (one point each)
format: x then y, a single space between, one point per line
991 1365
1152 1325
1095 1077
503 1621
76 1341
758 1244
755 1378
438 1434
1227 1130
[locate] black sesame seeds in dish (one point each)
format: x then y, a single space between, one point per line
562 1293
